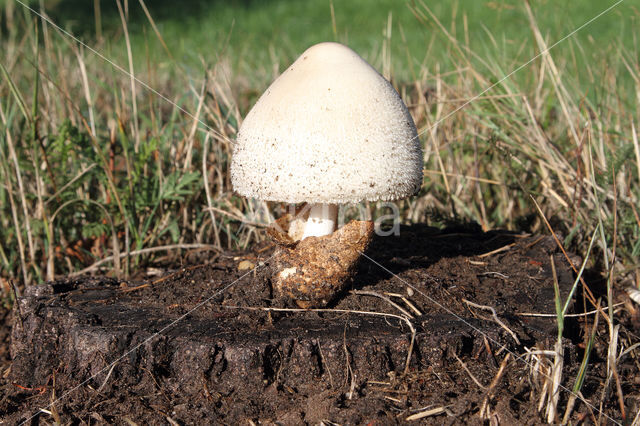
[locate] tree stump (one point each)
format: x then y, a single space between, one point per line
203 343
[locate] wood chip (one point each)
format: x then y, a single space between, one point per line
426 413
245 265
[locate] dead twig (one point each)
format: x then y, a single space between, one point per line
536 241
349 370
476 381
383 297
495 318
406 301
396 400
499 250
426 413
324 362
497 274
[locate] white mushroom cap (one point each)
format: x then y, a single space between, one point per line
330 129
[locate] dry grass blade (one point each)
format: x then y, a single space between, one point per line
22 193
588 292
155 29
194 127
16 224
132 78
107 259
406 301
484 408
555 378
584 314
207 189
85 85
106 379
566 104
555 381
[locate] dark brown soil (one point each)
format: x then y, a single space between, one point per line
196 346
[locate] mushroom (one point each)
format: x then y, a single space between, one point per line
330 130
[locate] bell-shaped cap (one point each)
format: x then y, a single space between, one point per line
330 129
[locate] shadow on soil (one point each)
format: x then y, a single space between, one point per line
421 246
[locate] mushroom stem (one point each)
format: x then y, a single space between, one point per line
323 219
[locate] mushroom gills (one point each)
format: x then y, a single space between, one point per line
323 219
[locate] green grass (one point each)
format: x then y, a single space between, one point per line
260 35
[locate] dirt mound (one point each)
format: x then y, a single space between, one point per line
204 343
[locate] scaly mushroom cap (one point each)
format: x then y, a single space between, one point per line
330 129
